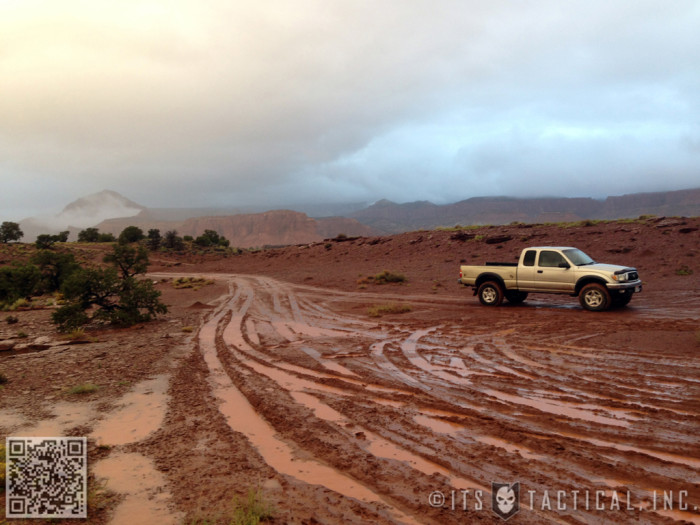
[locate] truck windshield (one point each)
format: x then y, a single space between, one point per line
578 258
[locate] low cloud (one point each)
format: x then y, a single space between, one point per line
224 104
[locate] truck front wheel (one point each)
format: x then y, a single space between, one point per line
490 293
595 297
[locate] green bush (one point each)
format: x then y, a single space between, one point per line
18 282
10 231
389 277
131 234
115 294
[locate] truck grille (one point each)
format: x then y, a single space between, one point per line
633 276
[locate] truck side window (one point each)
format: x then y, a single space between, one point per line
550 259
529 259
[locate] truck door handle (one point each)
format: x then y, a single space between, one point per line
539 271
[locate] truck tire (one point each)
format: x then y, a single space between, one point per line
516 297
490 293
595 297
622 299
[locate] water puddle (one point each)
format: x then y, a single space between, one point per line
326 363
664 456
377 352
142 413
146 499
67 415
438 425
508 446
560 409
382 447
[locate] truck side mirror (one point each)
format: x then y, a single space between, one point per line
564 265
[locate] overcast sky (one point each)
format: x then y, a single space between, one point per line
224 103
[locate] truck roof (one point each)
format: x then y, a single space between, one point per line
551 248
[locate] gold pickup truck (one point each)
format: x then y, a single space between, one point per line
553 269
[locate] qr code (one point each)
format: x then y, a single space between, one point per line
46 477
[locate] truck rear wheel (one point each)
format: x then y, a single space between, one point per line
516 297
490 293
595 297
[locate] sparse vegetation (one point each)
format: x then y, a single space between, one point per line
84 388
253 510
3 460
392 308
12 319
684 270
191 282
3 379
211 238
188 329
94 235
388 277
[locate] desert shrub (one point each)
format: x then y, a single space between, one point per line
11 319
129 260
252 510
55 268
392 308
211 238
131 234
106 237
3 460
113 294
3 379
154 239
388 277
172 241
18 282
10 231
84 388
191 282
46 241
684 270
89 235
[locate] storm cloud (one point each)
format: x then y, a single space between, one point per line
219 103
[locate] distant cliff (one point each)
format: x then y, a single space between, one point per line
271 228
390 217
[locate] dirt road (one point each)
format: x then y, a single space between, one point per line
342 418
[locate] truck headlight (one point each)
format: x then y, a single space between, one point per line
621 277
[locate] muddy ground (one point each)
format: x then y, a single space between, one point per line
282 381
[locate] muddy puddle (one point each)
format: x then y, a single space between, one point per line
146 498
141 412
281 456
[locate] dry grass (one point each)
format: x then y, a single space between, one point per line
378 310
195 283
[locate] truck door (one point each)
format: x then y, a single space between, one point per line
526 272
554 272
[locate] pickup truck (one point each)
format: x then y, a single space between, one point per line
553 269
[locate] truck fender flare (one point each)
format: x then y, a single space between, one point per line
583 281
488 277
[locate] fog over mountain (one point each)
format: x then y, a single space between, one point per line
82 213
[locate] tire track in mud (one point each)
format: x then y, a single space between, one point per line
385 413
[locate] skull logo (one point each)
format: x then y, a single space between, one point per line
505 499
